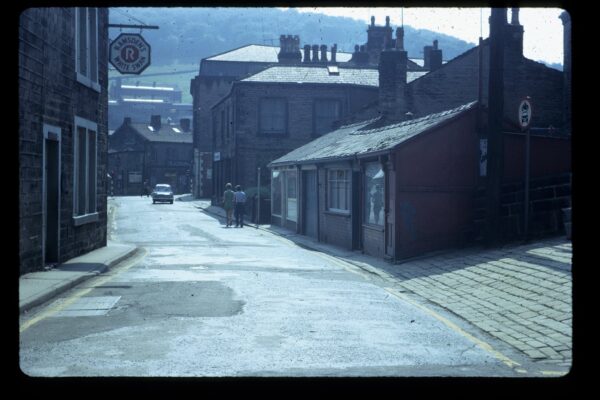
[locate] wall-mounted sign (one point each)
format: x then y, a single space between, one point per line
525 113
129 53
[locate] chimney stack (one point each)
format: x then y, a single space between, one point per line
289 49
184 123
155 122
127 121
432 57
399 38
323 53
392 84
334 52
307 53
513 38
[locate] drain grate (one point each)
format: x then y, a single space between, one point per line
89 306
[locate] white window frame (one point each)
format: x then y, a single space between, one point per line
87 79
88 215
347 192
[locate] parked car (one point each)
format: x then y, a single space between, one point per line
162 192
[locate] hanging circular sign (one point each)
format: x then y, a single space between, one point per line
129 53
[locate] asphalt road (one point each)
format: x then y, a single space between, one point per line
203 300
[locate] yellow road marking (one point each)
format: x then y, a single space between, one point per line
98 281
485 346
357 270
553 373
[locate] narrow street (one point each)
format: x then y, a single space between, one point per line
201 299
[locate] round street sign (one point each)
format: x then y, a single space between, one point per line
525 113
129 53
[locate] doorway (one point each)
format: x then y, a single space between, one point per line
310 204
51 195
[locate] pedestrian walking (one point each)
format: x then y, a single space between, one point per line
145 189
239 198
228 203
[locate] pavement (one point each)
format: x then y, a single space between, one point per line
520 294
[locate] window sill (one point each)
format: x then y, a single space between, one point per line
85 219
372 227
84 80
338 213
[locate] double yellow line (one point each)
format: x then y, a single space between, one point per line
97 281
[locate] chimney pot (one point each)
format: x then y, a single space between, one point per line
400 38
372 20
155 121
514 16
387 21
315 55
307 53
333 52
184 123
324 53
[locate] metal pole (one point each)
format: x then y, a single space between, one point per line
526 202
258 212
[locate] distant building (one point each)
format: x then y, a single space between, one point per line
150 152
140 102
63 134
277 110
218 72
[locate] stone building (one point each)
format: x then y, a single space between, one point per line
140 102
63 97
421 155
277 110
218 72
150 153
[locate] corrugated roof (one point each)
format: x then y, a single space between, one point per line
320 74
358 139
261 53
164 134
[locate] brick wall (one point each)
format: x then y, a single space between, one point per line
457 83
547 196
248 149
49 94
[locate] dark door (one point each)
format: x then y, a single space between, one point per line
310 203
52 192
356 210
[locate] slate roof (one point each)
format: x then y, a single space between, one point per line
360 139
165 134
267 54
320 74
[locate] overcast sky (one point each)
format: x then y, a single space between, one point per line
543 30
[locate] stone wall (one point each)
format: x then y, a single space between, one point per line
49 94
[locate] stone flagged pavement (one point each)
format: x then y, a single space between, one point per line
520 294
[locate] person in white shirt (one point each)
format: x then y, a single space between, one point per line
239 199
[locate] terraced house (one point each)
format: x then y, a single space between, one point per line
408 174
63 106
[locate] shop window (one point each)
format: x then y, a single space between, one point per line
338 194
374 194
